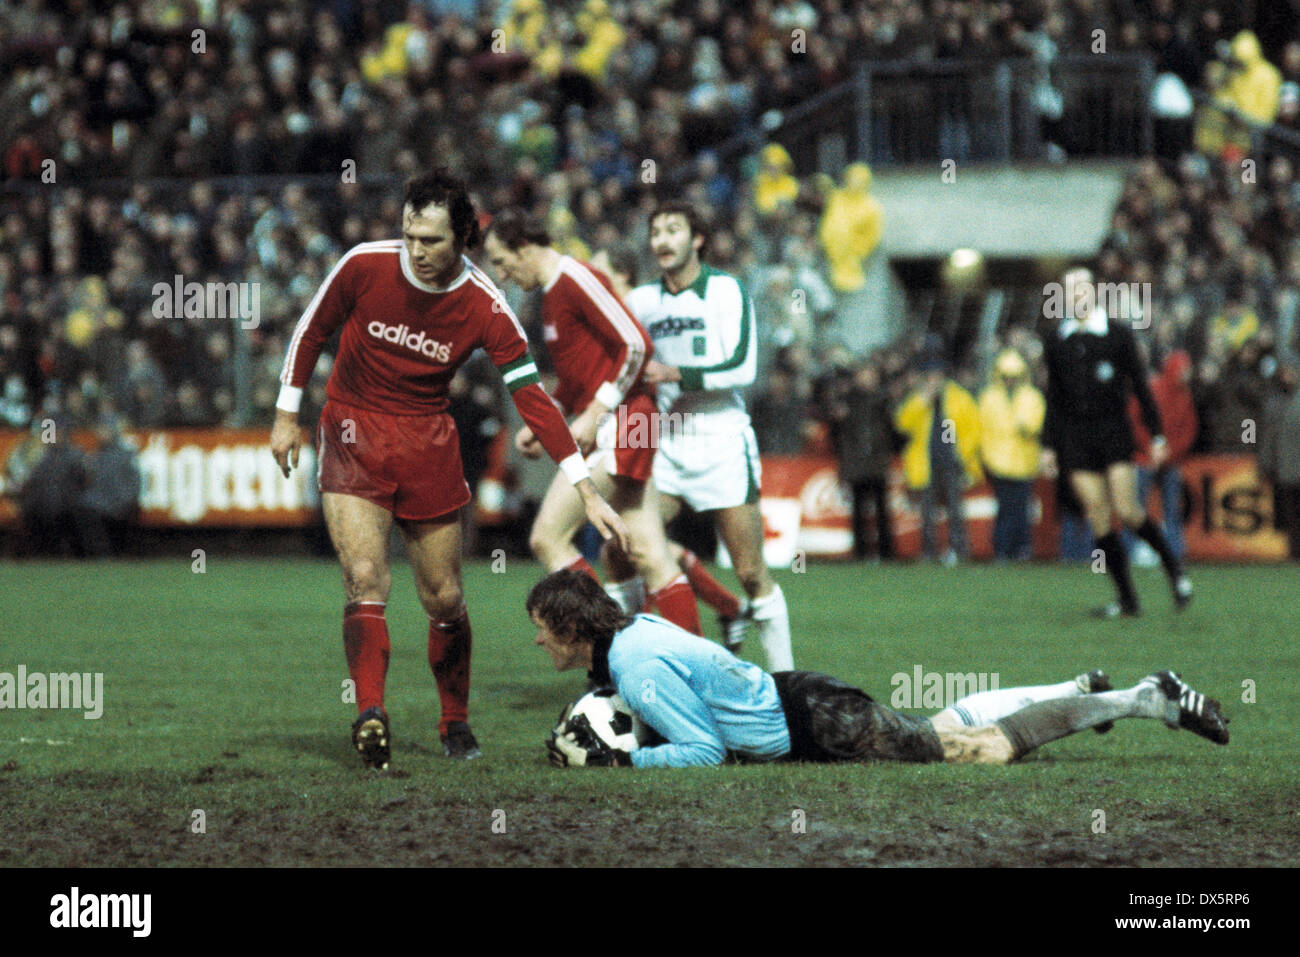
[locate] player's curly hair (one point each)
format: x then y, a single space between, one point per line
575 607
516 229
442 188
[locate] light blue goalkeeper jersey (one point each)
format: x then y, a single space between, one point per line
698 695
706 330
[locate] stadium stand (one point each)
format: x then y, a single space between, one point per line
214 142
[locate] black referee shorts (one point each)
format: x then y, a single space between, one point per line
833 721
1094 445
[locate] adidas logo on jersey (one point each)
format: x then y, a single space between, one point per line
674 326
441 351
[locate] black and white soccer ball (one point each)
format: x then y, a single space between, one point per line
608 717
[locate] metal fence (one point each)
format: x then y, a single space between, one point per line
971 111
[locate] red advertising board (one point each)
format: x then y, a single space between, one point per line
206 477
227 477
1227 512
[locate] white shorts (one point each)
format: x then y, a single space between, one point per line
709 471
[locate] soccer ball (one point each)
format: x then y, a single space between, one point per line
611 720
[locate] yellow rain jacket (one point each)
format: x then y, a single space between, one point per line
774 183
604 36
1253 88
850 228
914 419
1011 421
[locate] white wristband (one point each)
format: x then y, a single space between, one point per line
609 396
575 468
290 399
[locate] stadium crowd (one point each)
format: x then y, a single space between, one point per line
581 111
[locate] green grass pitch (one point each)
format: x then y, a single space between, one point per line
222 694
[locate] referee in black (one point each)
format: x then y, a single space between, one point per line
1093 365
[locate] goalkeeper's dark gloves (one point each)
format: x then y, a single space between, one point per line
573 744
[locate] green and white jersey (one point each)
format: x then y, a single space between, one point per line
706 330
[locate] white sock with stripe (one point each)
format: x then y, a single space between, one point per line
986 707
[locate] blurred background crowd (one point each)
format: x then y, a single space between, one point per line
254 142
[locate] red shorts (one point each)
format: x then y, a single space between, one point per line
407 464
627 439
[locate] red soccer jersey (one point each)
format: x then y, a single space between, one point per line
403 340
598 348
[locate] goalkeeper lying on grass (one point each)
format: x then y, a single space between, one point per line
707 703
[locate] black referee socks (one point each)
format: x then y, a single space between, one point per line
1117 567
1151 534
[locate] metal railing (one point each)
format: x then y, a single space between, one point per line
903 112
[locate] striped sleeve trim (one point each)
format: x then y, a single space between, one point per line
304 322
499 304
619 319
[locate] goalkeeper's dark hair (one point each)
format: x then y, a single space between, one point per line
694 218
575 607
516 229
441 188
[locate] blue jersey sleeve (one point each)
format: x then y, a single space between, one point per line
663 700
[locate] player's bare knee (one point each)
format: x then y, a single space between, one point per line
443 600
549 546
539 543
365 579
754 579
985 745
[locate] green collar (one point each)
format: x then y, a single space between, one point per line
699 286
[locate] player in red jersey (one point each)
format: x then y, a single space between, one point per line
412 310
599 351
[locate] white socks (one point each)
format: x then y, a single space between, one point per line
630 594
986 707
1144 700
769 614
772 620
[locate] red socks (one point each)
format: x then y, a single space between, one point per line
676 602
710 590
449 649
365 643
